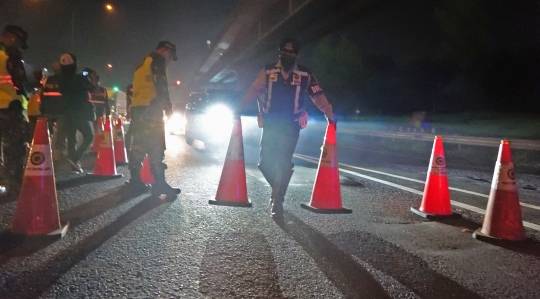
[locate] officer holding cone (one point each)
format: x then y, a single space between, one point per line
150 99
283 116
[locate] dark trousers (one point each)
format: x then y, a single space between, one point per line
72 124
60 138
278 143
14 133
148 129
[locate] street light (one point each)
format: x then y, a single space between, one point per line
109 66
109 7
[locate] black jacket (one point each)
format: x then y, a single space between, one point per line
75 91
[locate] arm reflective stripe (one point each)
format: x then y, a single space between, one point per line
96 102
52 94
6 79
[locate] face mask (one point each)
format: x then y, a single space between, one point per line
287 60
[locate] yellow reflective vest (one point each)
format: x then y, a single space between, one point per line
144 89
7 90
34 104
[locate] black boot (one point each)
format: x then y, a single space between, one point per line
160 186
135 184
276 210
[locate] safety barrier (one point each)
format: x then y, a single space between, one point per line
523 144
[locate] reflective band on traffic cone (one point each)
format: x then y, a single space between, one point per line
146 175
232 189
326 195
97 135
503 213
37 204
436 198
120 154
105 165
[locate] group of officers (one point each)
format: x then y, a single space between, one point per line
72 102
279 88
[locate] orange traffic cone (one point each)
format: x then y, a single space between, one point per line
232 189
503 213
326 195
436 198
37 206
120 154
105 165
97 135
146 175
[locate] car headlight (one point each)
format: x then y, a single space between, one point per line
176 123
218 121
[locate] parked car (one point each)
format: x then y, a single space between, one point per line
208 118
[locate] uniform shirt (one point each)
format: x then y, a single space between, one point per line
99 97
13 73
283 91
75 91
51 98
150 81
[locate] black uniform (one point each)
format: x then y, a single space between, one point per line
53 107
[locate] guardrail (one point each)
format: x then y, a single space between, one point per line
524 144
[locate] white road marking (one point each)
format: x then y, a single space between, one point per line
453 202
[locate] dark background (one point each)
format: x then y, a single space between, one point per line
429 55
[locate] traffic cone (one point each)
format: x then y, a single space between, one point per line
232 189
146 175
503 213
37 212
326 195
436 198
97 135
120 154
105 165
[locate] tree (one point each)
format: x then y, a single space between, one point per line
338 67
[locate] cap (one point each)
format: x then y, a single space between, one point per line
19 32
170 46
289 45
68 59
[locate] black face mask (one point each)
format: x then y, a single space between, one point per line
287 62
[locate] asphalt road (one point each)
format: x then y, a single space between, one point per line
137 246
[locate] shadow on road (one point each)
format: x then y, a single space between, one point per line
79 181
41 279
15 246
340 267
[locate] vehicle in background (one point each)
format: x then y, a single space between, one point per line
208 118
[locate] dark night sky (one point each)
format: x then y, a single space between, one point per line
122 37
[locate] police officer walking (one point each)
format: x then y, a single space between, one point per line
283 116
14 128
80 113
150 99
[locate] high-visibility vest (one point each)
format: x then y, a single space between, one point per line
7 90
34 104
144 89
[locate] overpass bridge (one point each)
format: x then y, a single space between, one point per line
252 32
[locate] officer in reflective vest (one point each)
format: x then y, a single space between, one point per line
150 99
14 128
283 116
52 107
99 96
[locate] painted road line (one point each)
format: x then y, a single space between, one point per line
416 181
405 188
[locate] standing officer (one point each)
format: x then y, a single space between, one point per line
150 99
129 134
80 113
283 116
99 96
52 107
14 129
